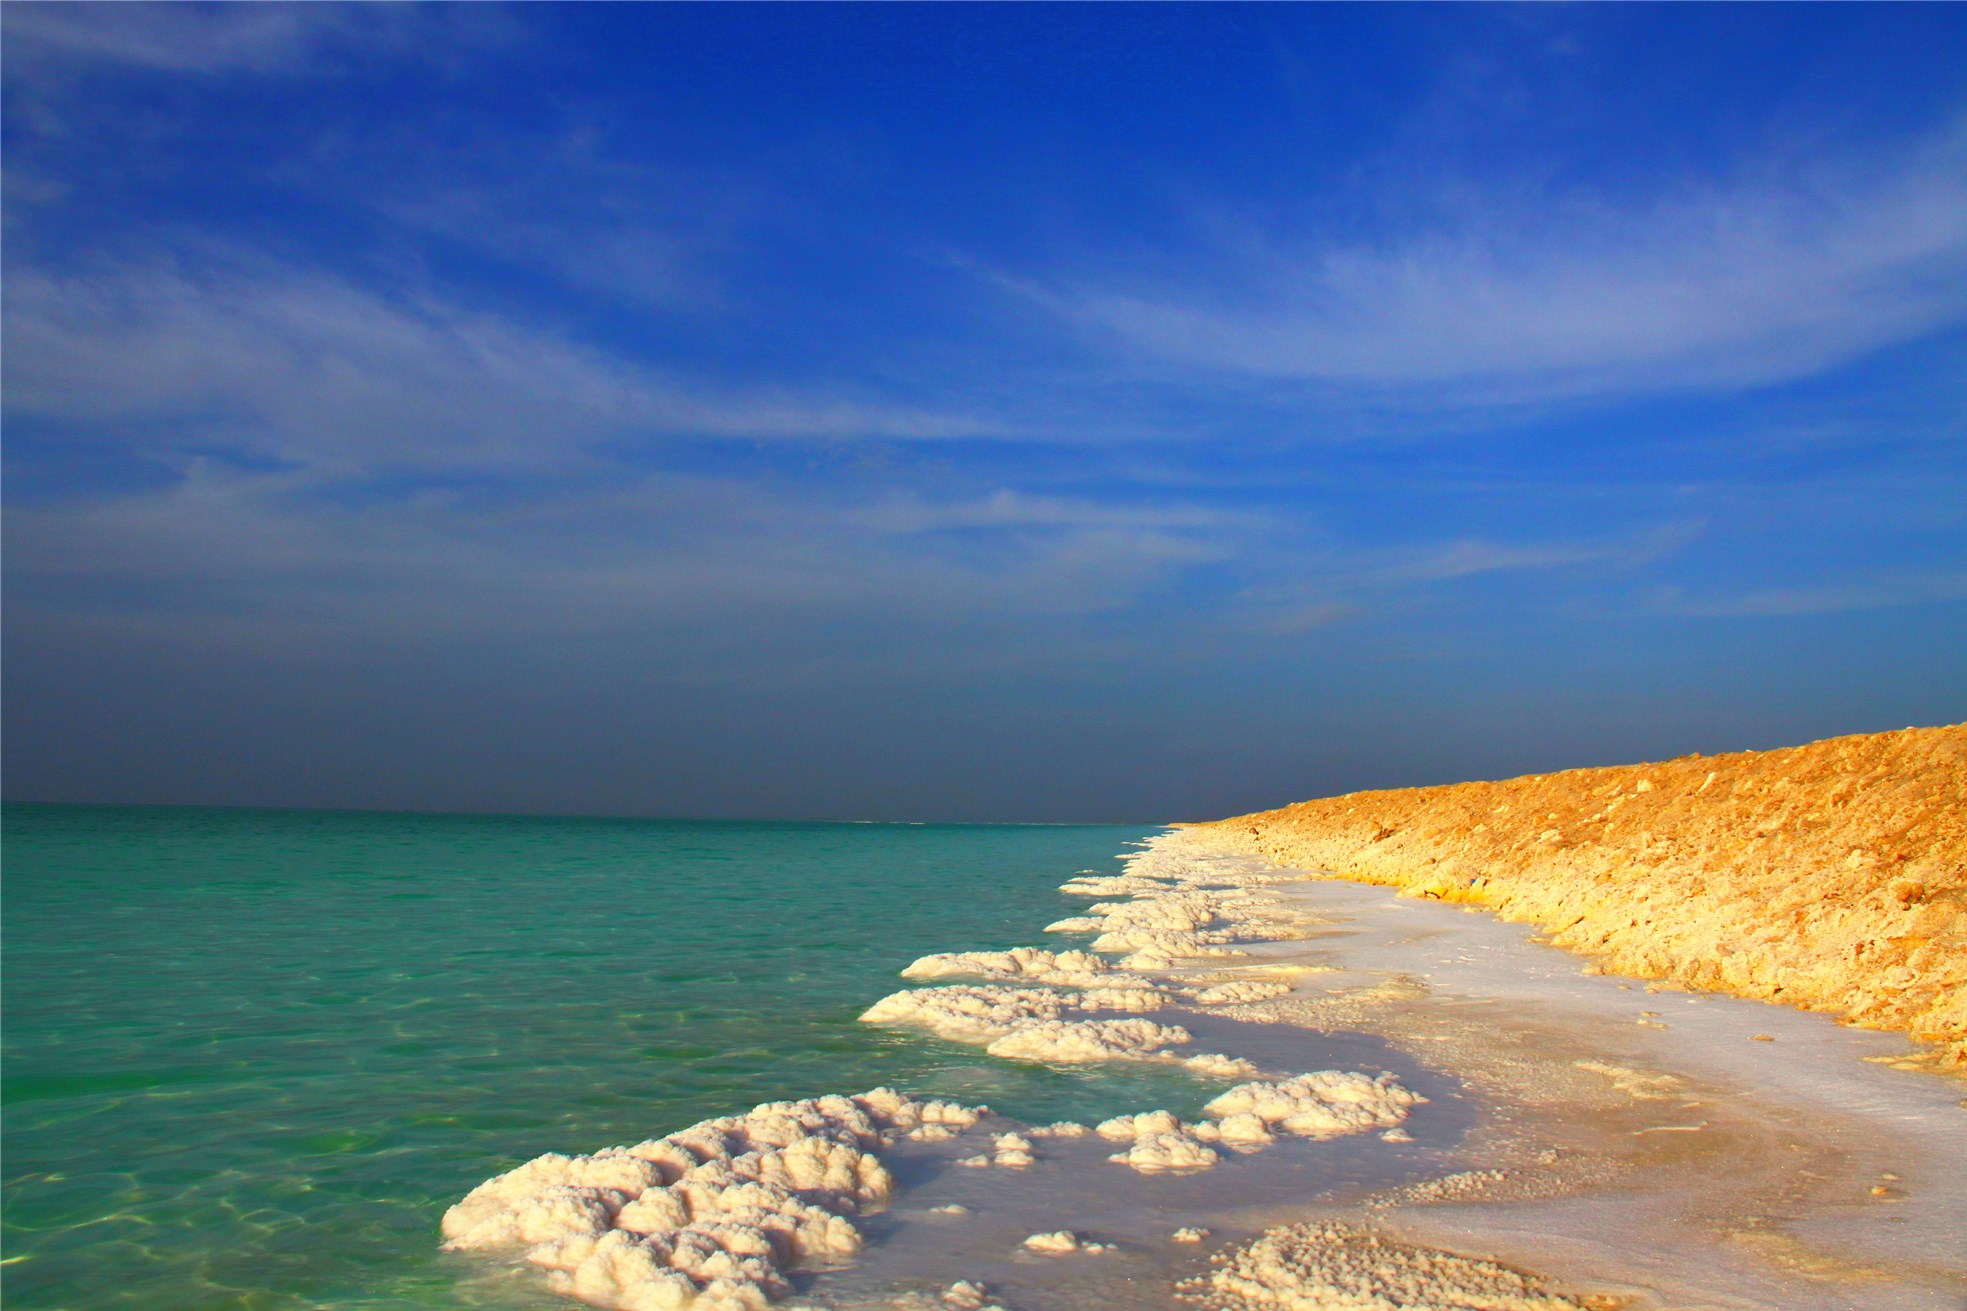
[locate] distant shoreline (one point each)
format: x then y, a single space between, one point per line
1830 876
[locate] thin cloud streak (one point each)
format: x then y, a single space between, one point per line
1880 592
1525 300
300 365
60 39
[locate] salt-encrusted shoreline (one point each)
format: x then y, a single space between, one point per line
1197 962
1831 876
718 1217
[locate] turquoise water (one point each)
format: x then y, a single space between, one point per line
251 1056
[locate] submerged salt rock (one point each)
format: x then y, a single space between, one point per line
1219 1066
1063 1129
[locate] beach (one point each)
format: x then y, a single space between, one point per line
1831 875
1416 1104
410 1062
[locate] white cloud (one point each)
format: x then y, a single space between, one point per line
61 38
300 365
705 577
1881 591
1540 297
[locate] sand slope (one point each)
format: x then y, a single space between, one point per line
1831 876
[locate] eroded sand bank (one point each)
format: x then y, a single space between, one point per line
1416 1106
1831 876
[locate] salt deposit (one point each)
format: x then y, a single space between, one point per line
1088 1040
714 1217
1333 1267
1324 1104
1029 1024
968 1295
706 1219
980 1013
1070 969
1064 1242
1240 991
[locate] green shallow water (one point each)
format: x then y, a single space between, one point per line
251 1056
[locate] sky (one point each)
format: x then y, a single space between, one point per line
970 412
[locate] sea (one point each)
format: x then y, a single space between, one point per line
250 1056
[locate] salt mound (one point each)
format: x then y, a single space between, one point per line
1074 1042
974 1013
1250 1116
1242 990
706 1219
1080 969
1332 1267
1064 1242
1324 1104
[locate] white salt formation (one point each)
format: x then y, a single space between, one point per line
979 1013
708 1219
1029 1024
968 1295
1251 1116
1070 969
1079 1041
1326 1104
713 1217
1332 1267
1064 1243
1242 990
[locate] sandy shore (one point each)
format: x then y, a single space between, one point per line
1830 876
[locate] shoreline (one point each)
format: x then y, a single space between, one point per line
1526 1090
1830 876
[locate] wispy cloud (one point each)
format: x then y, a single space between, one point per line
1879 591
1507 296
301 365
704 576
66 38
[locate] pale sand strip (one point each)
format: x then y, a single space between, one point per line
1831 876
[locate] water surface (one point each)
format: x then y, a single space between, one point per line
251 1056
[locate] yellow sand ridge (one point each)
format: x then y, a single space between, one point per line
1831 876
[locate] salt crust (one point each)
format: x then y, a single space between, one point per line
968 1295
712 1217
707 1219
1064 1242
1334 1267
1637 1084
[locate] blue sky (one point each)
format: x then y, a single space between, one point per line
976 412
